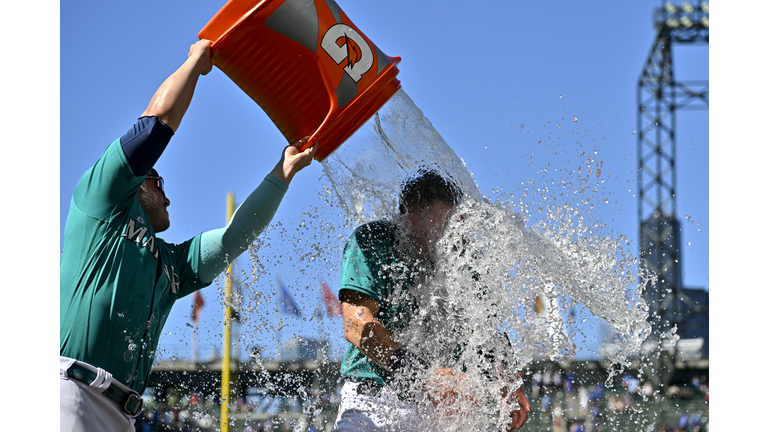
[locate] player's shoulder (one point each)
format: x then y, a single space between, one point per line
374 237
376 230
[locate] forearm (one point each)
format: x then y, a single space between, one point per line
222 246
376 342
364 331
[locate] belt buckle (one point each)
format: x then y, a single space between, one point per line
140 407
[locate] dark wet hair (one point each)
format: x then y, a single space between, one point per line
426 187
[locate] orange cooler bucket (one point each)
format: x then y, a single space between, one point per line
306 64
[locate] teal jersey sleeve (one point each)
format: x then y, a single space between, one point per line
222 246
187 256
108 187
368 258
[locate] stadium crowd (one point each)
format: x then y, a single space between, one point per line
567 402
572 405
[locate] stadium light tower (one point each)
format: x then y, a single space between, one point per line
659 97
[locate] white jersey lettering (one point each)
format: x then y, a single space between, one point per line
173 278
136 235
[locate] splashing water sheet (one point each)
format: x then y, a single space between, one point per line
493 266
503 282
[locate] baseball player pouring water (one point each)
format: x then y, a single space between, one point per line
119 280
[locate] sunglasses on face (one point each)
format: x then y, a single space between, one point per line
160 182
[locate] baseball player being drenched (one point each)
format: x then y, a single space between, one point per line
118 280
393 379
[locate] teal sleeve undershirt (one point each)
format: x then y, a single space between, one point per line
220 247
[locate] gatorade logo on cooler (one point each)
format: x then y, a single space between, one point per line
305 63
343 42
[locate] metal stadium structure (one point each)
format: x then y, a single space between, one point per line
660 96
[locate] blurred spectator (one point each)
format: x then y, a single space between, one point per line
546 403
558 422
620 404
546 380
142 424
648 389
596 392
632 384
615 404
576 427
596 417
583 398
535 384
673 392
568 384
583 404
628 402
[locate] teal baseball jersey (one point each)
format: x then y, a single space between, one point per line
372 265
118 280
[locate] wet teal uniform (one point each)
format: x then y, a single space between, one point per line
372 265
119 281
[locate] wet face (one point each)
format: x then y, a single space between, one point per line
427 225
155 203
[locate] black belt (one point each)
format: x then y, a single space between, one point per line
369 388
131 402
372 388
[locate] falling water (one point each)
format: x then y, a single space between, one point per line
504 281
497 272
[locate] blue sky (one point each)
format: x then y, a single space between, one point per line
494 79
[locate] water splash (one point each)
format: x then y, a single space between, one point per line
365 173
497 272
515 265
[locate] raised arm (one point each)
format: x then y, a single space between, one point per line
222 246
172 98
146 141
